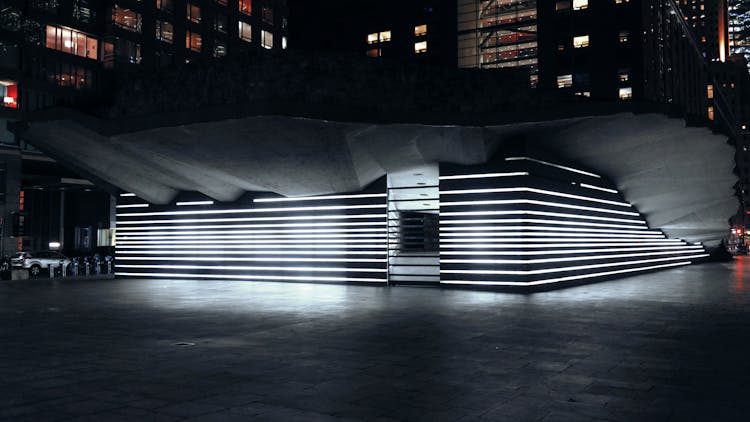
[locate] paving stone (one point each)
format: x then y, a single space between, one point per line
664 346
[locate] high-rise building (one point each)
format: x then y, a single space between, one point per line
498 34
60 52
739 28
709 22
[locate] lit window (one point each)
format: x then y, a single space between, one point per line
562 5
164 31
283 43
580 4
164 5
565 81
193 13
623 75
9 92
266 39
583 93
420 47
581 41
126 19
71 41
626 93
193 41
372 38
420 30
384 36
220 49
246 7
374 52
622 1
624 35
710 112
245 31
710 91
220 23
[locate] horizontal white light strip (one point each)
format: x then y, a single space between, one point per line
574 268
545 245
249 277
566 259
127 194
183 204
542 240
586 185
553 165
534 234
543 228
585 224
254 210
543 213
568 251
331 226
322 198
233 259
535 190
238 219
133 206
380 252
484 175
251 237
308 246
233 241
249 268
334 230
568 278
535 202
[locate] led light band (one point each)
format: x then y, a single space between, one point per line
538 221
238 219
183 204
543 228
565 259
254 210
546 245
586 185
254 237
249 277
133 206
484 175
545 234
567 251
574 268
253 268
127 194
334 252
377 231
535 190
542 213
535 202
534 160
234 259
322 198
567 278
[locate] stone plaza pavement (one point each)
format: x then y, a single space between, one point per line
673 345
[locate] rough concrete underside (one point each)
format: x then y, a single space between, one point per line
670 346
679 177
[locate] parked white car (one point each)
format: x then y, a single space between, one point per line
35 262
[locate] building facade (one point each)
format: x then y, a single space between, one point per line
498 34
65 52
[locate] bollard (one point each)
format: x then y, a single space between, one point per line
87 269
62 268
51 271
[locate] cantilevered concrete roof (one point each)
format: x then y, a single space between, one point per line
309 125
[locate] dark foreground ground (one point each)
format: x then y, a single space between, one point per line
673 345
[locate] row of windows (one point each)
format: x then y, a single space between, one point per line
583 41
582 79
419 48
193 12
385 36
562 5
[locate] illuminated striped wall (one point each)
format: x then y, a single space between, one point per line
538 223
335 238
